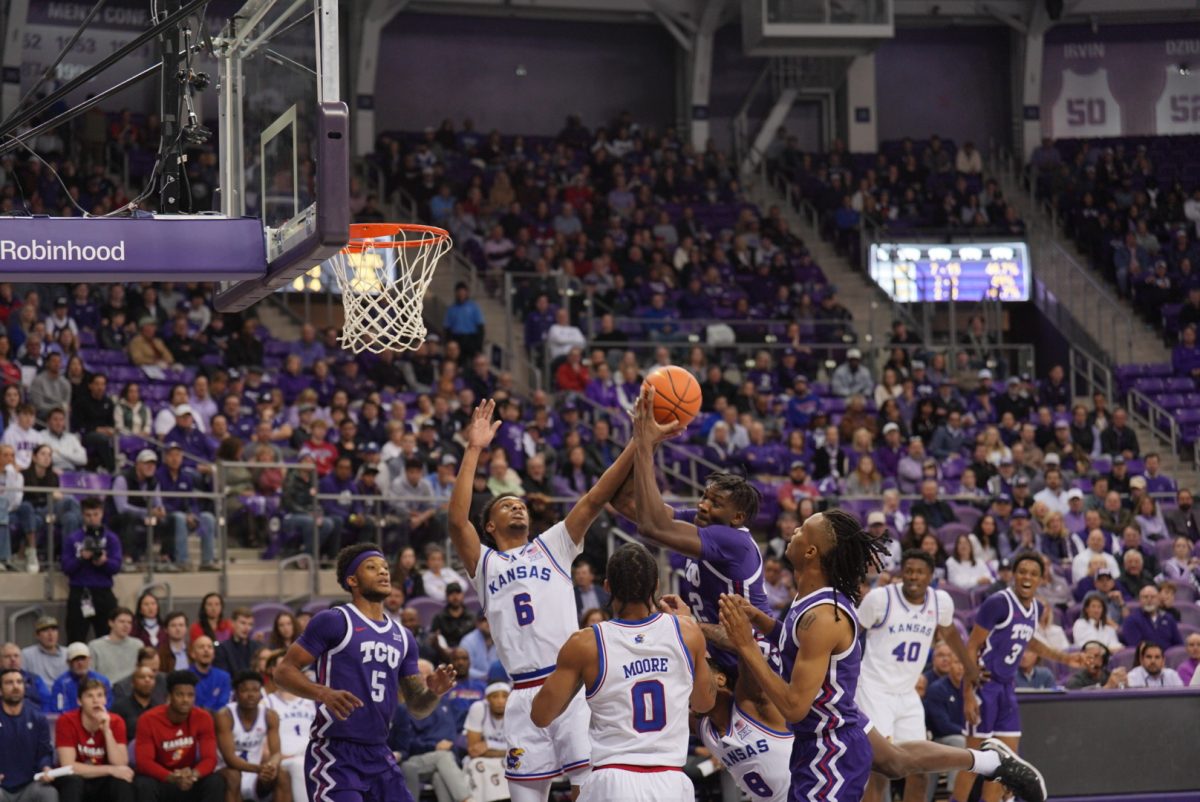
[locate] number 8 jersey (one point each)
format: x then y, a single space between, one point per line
899 635
640 698
529 599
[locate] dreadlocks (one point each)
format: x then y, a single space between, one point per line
743 495
852 552
632 576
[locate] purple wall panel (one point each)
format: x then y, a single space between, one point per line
432 67
950 81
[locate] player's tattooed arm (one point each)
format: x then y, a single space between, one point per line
421 694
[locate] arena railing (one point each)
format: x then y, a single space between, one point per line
1146 411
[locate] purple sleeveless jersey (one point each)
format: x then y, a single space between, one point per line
366 658
831 756
1010 629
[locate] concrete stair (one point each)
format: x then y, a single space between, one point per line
281 326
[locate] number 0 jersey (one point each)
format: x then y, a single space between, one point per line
640 698
529 599
898 636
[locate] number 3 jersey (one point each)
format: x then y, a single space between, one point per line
365 657
899 635
640 697
1010 629
529 599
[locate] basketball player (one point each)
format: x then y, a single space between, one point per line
361 655
900 623
722 556
819 643
248 743
641 670
1004 629
295 722
526 591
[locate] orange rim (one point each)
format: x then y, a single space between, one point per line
366 236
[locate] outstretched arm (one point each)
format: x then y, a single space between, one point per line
562 686
584 513
818 634
1072 659
654 519
704 684
478 434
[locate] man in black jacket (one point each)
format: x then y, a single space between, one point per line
1184 520
1119 438
92 419
237 654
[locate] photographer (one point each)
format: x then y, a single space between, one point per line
90 559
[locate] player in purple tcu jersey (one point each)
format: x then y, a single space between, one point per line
835 747
1004 629
361 656
722 556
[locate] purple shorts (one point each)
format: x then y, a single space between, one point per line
998 713
348 771
831 767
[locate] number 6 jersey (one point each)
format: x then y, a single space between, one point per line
529 599
899 635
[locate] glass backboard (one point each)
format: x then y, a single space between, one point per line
284 137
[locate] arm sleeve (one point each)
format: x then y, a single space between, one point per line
992 612
206 737
561 546
324 631
945 608
474 721
872 609
724 545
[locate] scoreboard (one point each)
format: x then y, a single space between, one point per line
913 272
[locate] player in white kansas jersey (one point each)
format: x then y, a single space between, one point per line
525 588
900 623
248 742
295 723
749 736
642 672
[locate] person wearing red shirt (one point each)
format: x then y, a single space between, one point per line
323 452
177 748
572 375
92 741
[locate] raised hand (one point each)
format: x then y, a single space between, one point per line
482 429
645 427
736 624
673 605
442 679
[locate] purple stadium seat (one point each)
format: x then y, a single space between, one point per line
1184 594
1123 658
967 516
1187 629
1174 656
264 615
1164 548
426 608
1072 612
1189 614
961 598
315 606
948 533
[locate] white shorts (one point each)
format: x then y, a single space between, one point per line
899 717
250 787
543 754
619 785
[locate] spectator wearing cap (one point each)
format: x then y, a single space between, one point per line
301 510
184 515
64 694
798 486
1118 478
46 658
176 752
1060 443
890 451
949 438
1053 495
852 377
937 512
1020 535
1150 623
147 349
25 747
1184 520
1150 672
1022 499
484 728
801 406
136 505
1005 478
1118 438
1073 518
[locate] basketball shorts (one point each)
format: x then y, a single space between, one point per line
251 789
637 785
832 767
348 771
899 717
998 714
543 754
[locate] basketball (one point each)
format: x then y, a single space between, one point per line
676 395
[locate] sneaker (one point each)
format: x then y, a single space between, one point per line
211 567
6 566
31 561
1015 773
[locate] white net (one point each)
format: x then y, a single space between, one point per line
384 274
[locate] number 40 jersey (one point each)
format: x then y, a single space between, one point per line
899 635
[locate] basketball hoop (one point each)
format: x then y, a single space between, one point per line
383 274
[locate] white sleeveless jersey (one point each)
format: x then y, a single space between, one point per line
898 636
1178 108
756 755
529 599
1085 106
640 698
295 722
249 743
